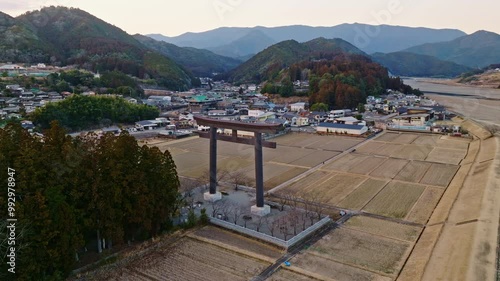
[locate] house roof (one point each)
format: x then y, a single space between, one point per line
145 123
341 126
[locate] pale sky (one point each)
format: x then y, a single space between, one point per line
173 17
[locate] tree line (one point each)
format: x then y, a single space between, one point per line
84 112
72 191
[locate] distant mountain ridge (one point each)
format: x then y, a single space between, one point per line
386 38
201 63
479 49
266 64
417 65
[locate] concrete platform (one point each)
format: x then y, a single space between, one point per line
207 196
260 211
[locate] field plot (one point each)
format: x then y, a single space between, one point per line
274 174
371 147
439 174
334 143
388 137
334 189
405 138
360 249
364 193
389 168
413 171
239 241
384 228
285 154
428 140
446 155
425 205
188 260
395 200
345 163
388 149
412 152
287 275
453 143
314 158
312 263
310 180
367 165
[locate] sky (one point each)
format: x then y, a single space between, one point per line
174 17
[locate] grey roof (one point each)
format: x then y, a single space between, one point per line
145 123
341 126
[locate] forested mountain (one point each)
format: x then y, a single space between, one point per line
479 49
343 81
71 193
63 36
19 43
267 64
416 65
387 38
201 63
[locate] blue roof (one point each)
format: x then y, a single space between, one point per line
341 126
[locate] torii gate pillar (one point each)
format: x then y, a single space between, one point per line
212 195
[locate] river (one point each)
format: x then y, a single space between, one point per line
480 104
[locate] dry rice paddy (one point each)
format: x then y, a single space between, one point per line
362 250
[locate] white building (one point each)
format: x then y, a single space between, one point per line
297 107
411 119
341 128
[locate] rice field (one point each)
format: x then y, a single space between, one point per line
362 250
395 200
384 228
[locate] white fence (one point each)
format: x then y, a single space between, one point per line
270 239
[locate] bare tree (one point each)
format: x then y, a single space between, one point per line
273 225
238 178
293 220
218 206
236 214
318 206
204 179
260 222
284 227
246 218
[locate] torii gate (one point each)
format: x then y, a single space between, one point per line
257 128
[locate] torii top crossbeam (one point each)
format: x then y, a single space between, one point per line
236 125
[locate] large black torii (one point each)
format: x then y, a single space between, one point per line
257 129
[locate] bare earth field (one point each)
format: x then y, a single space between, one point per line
208 254
360 250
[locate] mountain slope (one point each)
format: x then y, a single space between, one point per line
200 62
369 38
76 37
19 44
267 64
410 64
479 49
